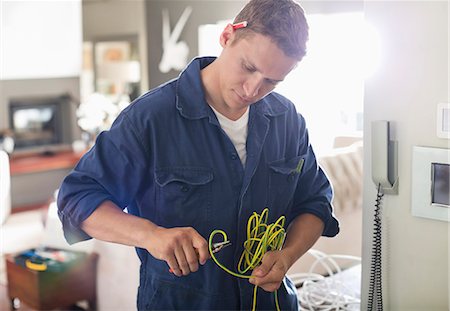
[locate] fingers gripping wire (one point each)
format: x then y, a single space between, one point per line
261 238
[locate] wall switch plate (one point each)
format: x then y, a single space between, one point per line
430 183
443 120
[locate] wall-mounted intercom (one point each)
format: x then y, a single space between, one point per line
384 158
385 177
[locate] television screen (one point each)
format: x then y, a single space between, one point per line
34 126
37 122
440 184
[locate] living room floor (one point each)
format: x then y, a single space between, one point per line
5 305
4 301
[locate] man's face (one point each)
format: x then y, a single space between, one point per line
250 68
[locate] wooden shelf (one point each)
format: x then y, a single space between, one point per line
35 163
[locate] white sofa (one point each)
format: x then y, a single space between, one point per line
18 231
344 168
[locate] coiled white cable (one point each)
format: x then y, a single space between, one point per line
318 292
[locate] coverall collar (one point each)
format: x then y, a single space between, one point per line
190 97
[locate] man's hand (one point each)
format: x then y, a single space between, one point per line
182 248
302 233
271 272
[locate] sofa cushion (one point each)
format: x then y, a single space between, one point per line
344 168
5 187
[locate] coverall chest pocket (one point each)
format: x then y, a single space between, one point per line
283 179
184 196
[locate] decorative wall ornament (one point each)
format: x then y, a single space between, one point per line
175 53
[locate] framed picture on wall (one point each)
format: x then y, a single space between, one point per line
113 51
116 64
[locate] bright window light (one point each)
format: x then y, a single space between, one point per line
328 85
40 39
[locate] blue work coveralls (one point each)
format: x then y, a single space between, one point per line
167 159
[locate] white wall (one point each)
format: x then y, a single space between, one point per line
40 39
40 51
412 79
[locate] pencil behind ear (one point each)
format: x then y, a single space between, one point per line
239 25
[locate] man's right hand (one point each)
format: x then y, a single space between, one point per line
182 248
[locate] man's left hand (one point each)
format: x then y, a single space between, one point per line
271 272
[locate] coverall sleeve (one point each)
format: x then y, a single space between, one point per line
313 193
112 170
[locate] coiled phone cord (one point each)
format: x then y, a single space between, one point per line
375 293
261 238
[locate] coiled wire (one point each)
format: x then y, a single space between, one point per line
333 291
261 238
375 292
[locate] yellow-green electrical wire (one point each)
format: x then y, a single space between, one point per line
261 238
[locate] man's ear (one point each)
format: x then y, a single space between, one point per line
227 35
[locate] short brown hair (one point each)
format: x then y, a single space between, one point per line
282 20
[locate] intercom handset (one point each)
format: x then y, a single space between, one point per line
384 158
385 177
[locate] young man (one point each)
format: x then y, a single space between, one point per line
204 152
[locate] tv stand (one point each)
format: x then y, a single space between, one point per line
42 162
35 177
48 153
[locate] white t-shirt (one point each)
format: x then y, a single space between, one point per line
236 131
